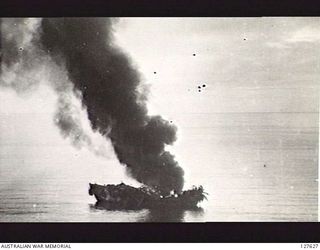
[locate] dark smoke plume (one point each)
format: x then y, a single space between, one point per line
111 92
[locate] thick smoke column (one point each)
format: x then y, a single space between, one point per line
110 88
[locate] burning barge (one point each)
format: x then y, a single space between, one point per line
125 197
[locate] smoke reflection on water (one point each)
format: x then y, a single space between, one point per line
159 215
156 215
169 215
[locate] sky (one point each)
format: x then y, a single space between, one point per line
245 64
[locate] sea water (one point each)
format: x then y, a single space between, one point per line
254 167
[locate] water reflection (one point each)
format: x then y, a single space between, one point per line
153 215
169 215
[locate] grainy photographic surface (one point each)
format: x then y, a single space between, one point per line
183 119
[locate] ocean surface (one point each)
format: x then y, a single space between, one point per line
226 157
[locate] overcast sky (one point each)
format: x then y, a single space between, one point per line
247 64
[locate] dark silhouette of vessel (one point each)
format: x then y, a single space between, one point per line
125 197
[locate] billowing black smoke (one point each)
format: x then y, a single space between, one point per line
111 92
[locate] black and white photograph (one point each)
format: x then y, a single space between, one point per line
159 119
